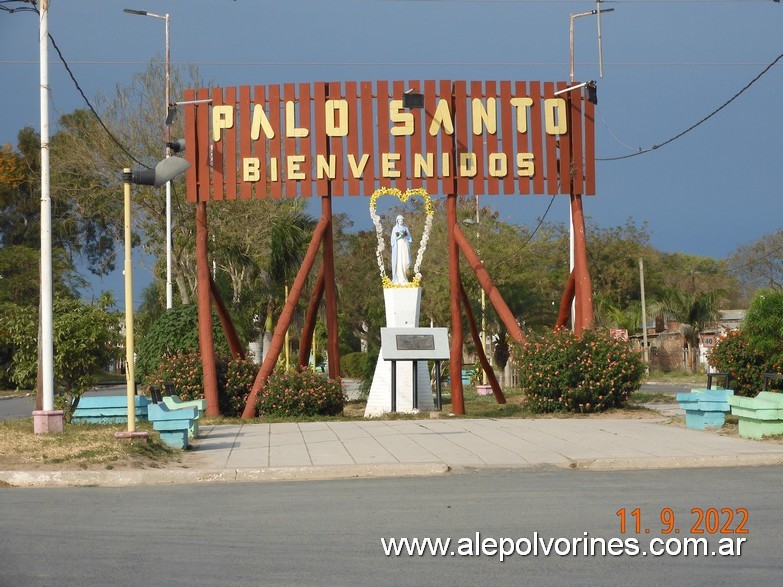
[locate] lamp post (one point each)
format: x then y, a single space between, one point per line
47 419
598 11
163 173
483 335
167 132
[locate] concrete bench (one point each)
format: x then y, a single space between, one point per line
173 402
174 425
759 416
108 409
705 408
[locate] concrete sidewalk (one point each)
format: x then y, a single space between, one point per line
374 448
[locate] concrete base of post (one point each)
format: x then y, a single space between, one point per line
48 422
133 436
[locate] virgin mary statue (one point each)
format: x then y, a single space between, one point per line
400 251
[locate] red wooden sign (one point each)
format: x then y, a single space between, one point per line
350 138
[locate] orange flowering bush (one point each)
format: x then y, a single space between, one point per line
560 372
734 354
235 378
300 392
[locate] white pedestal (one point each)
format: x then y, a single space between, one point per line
402 311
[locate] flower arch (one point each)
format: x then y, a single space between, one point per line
429 210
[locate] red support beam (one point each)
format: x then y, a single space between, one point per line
565 302
583 286
305 343
330 293
455 283
496 391
278 337
505 315
205 339
234 344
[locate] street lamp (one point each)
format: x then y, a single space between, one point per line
483 336
598 11
163 173
165 17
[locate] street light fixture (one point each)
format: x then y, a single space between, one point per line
165 17
163 173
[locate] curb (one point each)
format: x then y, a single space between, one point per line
686 462
191 476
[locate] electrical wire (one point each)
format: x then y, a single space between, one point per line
703 120
757 260
81 92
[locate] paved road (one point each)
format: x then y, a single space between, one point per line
329 532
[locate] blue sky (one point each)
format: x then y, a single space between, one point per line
667 65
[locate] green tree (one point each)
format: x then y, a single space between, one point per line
763 325
760 263
694 312
86 338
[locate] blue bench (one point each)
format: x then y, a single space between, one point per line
705 408
173 402
174 425
108 409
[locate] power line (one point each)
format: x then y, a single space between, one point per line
81 92
754 261
703 120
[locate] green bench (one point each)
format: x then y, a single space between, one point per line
758 416
173 402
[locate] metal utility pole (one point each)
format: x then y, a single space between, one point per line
46 344
644 315
167 137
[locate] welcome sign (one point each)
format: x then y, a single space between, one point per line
351 138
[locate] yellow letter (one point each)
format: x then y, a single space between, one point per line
222 117
294 161
388 162
555 116
484 116
250 166
467 165
332 108
273 175
290 122
422 165
445 164
398 114
357 170
442 117
522 104
498 165
324 166
526 167
260 121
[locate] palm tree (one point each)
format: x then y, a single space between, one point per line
694 312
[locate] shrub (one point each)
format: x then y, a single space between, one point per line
734 354
300 392
560 372
763 325
353 364
175 332
234 378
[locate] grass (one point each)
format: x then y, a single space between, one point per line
679 376
79 447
